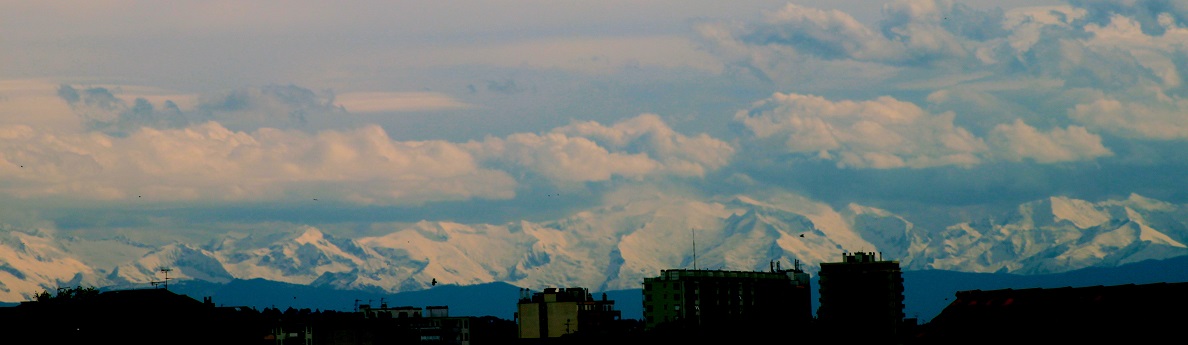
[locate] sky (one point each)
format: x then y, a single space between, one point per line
190 117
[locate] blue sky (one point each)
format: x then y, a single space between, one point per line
206 116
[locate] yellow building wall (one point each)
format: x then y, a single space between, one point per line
559 314
529 314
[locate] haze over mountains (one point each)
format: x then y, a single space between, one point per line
613 247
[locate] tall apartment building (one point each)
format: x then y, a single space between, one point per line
559 311
716 298
862 295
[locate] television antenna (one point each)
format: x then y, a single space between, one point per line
166 281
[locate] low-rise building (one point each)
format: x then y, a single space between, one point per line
556 312
414 325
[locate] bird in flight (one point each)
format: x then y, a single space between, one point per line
434 282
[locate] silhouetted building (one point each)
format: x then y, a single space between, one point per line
557 312
413 325
861 296
705 299
1125 314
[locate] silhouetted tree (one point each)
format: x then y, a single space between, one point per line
65 294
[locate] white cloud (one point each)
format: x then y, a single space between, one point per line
680 154
196 161
568 159
827 33
589 152
881 133
934 33
1035 85
932 39
210 162
1162 118
1019 141
1154 52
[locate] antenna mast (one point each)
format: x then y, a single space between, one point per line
694 231
166 282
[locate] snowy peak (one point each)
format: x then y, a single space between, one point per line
32 262
1059 234
617 245
297 258
1149 234
1081 213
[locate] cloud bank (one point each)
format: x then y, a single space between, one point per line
931 100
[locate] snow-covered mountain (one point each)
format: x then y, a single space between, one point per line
1057 235
616 246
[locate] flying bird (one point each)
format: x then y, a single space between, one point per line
434 282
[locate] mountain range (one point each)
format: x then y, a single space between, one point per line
926 292
610 248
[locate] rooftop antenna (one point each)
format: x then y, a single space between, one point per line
166 270
694 231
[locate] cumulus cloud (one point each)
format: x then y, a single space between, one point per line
649 134
1018 141
930 33
1102 67
827 34
881 133
1152 15
568 159
590 152
211 162
1161 119
1094 44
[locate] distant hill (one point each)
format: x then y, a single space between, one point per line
927 292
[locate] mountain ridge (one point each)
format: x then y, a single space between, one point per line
615 246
